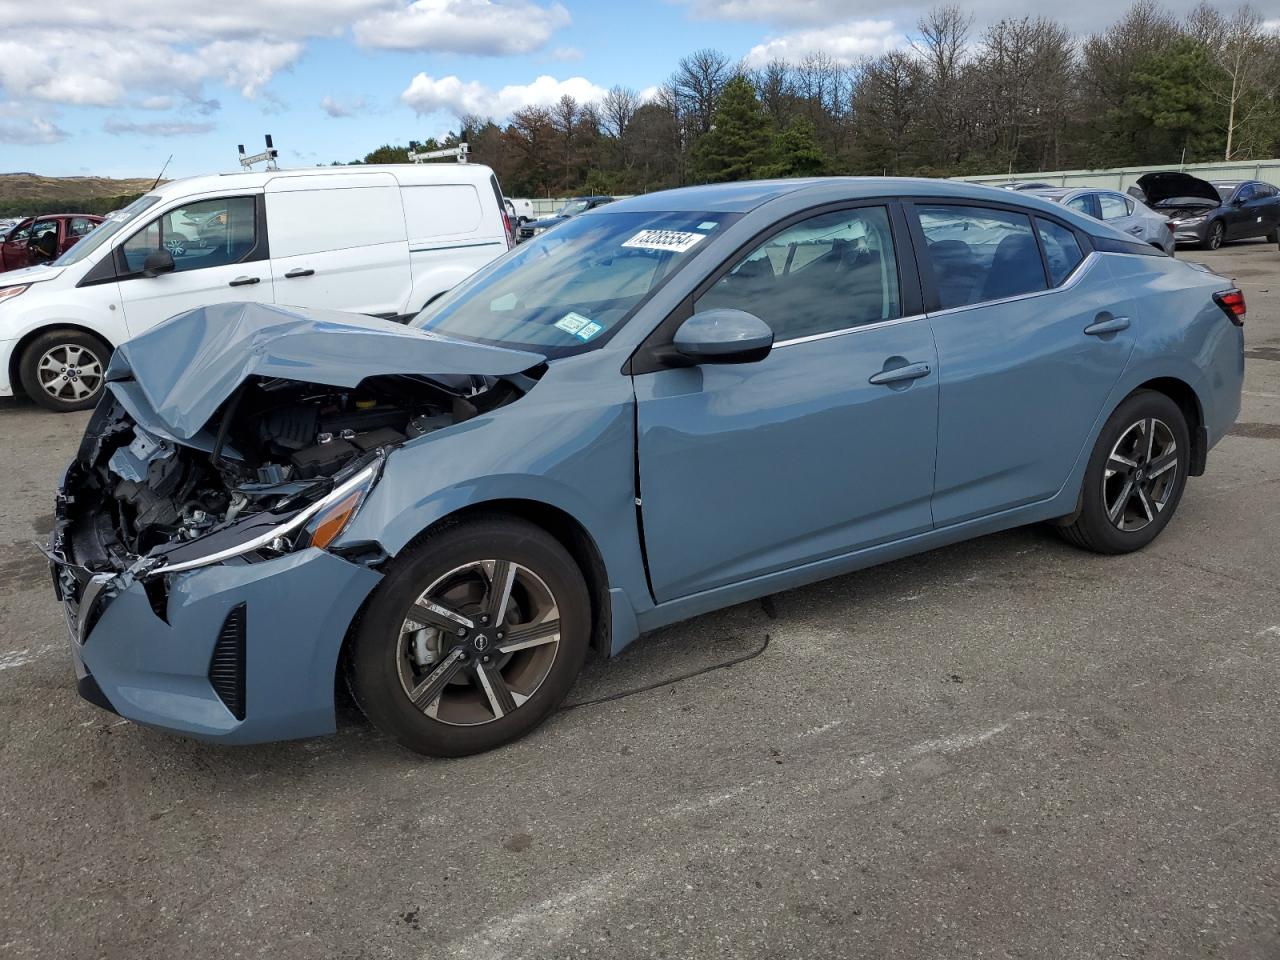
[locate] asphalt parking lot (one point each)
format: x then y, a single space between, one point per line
1008 748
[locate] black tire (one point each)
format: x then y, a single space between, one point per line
1274 236
377 657
1093 528
1214 235
66 395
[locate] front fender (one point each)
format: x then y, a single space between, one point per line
569 444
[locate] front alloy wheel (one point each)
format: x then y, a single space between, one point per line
478 643
473 638
69 373
1215 236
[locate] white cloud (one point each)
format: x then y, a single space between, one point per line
157 103
30 131
51 65
845 43
770 11
343 108
163 128
451 95
567 54
1271 26
90 53
484 27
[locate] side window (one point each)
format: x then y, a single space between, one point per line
44 226
1061 249
1080 204
79 226
830 272
978 254
208 233
21 234
1113 206
1246 193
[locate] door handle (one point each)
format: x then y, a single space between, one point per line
912 371
1106 323
244 281
299 272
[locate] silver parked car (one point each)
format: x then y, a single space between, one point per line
1119 210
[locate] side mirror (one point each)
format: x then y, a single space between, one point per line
724 335
158 262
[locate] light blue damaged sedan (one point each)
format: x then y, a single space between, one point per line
665 406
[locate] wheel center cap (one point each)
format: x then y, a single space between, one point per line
480 641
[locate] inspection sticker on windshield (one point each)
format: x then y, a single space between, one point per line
677 240
572 322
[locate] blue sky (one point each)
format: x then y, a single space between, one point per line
114 88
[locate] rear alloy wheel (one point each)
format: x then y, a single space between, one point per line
1213 239
64 370
1135 476
473 639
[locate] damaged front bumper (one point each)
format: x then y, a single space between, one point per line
238 652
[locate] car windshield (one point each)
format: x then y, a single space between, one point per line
107 229
571 208
1225 190
566 290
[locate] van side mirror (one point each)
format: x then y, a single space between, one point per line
158 262
724 335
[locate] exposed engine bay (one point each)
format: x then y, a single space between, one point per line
273 447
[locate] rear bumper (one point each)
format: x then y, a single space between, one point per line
150 658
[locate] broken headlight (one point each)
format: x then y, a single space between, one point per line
316 524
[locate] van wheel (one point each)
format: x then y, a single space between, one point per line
472 639
64 370
1135 477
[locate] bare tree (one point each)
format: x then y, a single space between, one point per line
942 48
1245 81
697 83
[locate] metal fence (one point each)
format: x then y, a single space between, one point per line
1120 178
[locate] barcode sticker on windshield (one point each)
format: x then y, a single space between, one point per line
572 322
677 240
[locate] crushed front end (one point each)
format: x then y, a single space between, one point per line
204 586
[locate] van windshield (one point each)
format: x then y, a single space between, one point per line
567 290
108 228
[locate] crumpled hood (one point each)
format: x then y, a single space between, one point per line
1159 187
36 274
189 365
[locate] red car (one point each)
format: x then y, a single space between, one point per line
41 239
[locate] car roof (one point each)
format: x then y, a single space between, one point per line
744 196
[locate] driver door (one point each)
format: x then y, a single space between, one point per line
826 445
219 255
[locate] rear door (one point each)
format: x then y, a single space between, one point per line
76 227
219 255
1032 334
338 242
1118 210
824 446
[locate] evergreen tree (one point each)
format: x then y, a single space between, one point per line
796 152
1172 106
738 142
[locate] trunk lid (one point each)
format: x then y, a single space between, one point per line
186 368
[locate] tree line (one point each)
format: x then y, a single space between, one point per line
1020 95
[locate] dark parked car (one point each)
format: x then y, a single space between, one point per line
41 239
1209 213
670 405
571 208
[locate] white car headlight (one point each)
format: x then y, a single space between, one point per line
1190 221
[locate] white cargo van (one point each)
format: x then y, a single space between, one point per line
381 240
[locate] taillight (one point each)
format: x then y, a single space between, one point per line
506 228
1232 304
